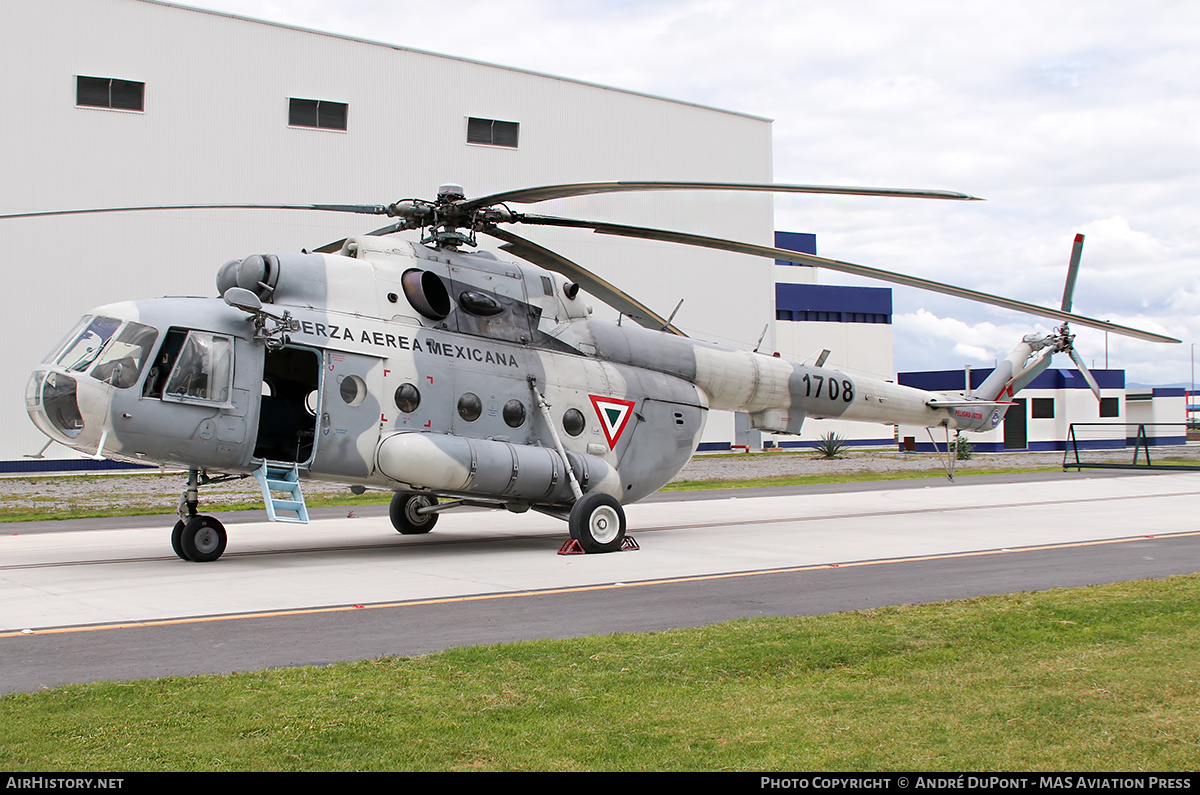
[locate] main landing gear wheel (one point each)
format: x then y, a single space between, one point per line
405 516
177 539
597 522
201 539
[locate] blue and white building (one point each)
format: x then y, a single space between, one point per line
1046 409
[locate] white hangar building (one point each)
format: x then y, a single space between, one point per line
128 103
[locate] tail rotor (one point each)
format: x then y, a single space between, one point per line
1065 342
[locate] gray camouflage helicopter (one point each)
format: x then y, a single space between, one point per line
455 378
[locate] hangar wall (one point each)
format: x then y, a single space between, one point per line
217 125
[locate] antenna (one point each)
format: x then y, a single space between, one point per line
673 313
758 344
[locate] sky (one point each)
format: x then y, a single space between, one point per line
1066 116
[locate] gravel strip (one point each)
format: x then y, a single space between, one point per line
160 492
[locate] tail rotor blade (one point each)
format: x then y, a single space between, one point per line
1087 374
1072 272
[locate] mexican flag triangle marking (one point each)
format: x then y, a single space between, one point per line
614 415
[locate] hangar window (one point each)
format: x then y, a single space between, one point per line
1110 407
317 113
490 132
105 92
1042 409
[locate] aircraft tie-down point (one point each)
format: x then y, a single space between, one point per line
454 378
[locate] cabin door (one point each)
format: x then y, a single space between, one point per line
350 415
287 421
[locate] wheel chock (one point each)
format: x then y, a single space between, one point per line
572 547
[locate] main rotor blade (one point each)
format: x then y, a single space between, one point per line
1072 272
362 209
547 192
608 293
331 248
838 265
1087 374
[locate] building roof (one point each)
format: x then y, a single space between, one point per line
460 59
952 380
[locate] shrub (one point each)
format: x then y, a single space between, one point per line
961 447
830 446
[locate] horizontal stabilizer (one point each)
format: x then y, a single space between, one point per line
953 404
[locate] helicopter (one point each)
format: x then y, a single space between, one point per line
455 378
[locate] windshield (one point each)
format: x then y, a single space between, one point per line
86 345
121 361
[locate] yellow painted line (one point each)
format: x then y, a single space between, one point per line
581 588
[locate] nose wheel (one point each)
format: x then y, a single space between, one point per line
200 539
196 538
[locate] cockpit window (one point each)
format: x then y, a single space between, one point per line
85 347
72 335
204 369
121 362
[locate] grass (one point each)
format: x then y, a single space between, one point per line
163 508
848 477
1100 678
96 496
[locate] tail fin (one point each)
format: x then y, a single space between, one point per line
1017 370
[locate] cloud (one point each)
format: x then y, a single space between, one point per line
1068 117
925 341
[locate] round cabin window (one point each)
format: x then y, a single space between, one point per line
514 413
573 422
408 398
470 407
353 390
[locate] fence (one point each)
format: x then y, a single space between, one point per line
1092 437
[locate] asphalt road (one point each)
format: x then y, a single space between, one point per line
93 601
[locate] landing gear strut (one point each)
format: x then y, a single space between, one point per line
196 538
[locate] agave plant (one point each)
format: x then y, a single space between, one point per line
830 446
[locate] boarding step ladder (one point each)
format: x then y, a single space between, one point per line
277 478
